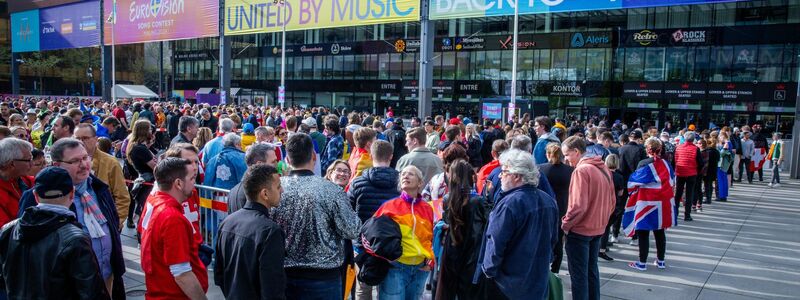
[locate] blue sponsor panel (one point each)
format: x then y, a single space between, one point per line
68 26
25 31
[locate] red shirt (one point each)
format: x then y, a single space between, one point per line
167 239
10 194
191 210
119 114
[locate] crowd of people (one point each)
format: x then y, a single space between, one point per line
326 204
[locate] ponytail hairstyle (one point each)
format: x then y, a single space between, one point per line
460 181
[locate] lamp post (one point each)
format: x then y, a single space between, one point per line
513 104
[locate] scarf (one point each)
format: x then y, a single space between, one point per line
93 218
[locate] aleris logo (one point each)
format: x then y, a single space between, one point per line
579 41
645 37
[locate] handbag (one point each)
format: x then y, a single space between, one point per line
556 291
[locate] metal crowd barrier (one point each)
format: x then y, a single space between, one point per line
213 209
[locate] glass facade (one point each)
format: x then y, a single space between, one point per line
709 46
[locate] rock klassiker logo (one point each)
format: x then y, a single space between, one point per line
645 37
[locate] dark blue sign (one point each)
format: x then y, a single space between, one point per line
68 26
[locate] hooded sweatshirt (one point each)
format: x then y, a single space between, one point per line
591 198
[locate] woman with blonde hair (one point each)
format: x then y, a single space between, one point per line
204 135
558 174
139 156
339 173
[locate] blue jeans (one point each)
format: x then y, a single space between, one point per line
403 282
582 262
310 289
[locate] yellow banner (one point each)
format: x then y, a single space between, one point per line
259 16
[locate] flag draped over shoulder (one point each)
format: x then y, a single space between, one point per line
758 159
651 201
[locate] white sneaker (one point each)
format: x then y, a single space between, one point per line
777 185
634 243
612 239
769 184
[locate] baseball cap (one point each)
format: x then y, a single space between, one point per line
310 122
691 127
455 121
248 128
52 182
32 111
636 134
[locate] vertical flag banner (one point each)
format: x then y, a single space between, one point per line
74 25
161 20
25 31
258 16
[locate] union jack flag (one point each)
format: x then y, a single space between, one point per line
651 200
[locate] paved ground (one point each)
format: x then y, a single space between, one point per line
746 248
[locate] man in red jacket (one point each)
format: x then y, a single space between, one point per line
15 161
688 163
591 202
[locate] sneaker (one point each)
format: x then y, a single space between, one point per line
777 185
634 243
638 265
769 184
612 239
660 264
700 208
688 219
605 256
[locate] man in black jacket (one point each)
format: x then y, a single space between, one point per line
188 127
377 184
631 154
250 246
49 246
396 135
102 223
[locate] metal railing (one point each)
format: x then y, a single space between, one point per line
213 209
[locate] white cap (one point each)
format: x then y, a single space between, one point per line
310 122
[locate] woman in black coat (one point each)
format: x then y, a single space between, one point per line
558 174
467 214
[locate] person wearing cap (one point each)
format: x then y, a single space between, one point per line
49 246
248 135
688 165
15 161
94 208
314 133
30 118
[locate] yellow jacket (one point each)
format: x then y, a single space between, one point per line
247 140
108 169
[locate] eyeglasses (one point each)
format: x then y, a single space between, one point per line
84 138
341 171
22 136
77 161
25 160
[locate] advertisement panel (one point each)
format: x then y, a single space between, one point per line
447 9
492 110
25 31
70 26
160 20
258 16
23 5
